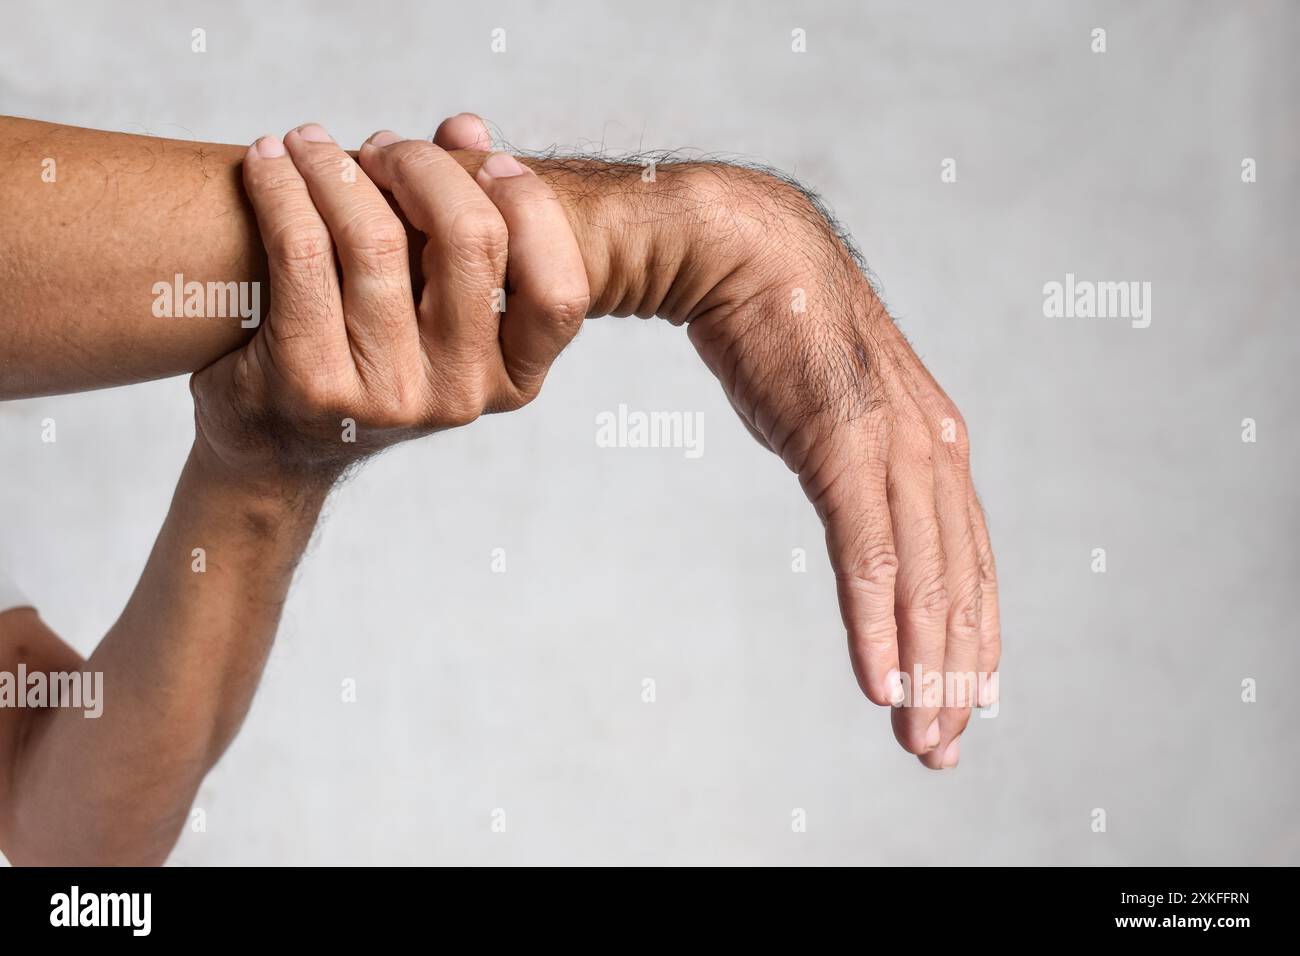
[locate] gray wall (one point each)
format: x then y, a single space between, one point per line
521 690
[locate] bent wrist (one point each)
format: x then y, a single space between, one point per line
656 240
269 494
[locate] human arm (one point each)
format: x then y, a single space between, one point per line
778 306
339 370
178 668
91 221
830 385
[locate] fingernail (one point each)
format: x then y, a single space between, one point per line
269 147
952 754
894 681
385 137
932 735
502 166
314 133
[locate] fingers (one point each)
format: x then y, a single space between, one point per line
300 253
962 574
546 276
467 266
860 541
371 244
463 131
464 258
968 591
990 650
921 595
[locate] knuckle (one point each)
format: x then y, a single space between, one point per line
477 231
411 157
876 570
395 404
392 416
277 181
964 608
928 593
462 414
567 306
301 244
325 163
462 405
882 638
377 245
527 387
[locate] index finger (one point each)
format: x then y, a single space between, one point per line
299 249
371 242
860 540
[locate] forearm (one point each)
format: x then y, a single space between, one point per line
179 670
80 254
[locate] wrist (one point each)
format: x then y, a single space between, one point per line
263 489
656 240
240 444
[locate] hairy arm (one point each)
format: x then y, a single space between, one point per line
776 303
91 220
178 668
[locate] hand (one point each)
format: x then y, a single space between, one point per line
819 373
779 309
346 361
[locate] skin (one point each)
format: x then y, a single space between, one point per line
833 389
181 664
179 669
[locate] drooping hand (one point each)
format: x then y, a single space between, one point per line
820 374
779 308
